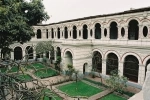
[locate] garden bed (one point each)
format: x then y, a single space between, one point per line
79 89
24 77
53 95
44 73
112 96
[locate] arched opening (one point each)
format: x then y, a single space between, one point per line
18 53
58 33
113 30
145 31
66 32
39 35
68 58
148 62
74 32
91 32
52 33
52 55
97 31
58 52
111 63
131 68
85 68
97 61
47 55
133 30
29 52
47 33
85 32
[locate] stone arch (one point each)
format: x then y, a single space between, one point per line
58 33
85 68
97 61
97 31
131 68
52 33
74 32
113 30
112 20
112 63
133 30
112 51
29 52
39 34
98 51
65 32
69 51
132 18
95 22
131 53
68 58
85 31
18 53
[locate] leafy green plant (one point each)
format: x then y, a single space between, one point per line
116 82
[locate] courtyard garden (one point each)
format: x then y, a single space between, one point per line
79 88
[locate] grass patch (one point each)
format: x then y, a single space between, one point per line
112 97
49 92
79 89
24 77
36 66
44 73
94 82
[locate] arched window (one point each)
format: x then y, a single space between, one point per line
58 33
131 68
29 51
85 32
52 33
47 33
39 35
97 61
66 32
113 30
18 53
111 63
97 31
74 32
68 58
133 30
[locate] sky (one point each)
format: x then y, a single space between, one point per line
61 10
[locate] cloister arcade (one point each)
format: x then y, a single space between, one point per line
102 43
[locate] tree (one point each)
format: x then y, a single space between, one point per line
116 82
57 63
17 18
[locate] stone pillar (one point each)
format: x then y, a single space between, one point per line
120 68
34 54
35 32
93 33
61 33
24 54
50 34
43 33
140 32
108 33
55 51
141 74
81 33
126 33
119 33
104 66
89 36
102 33
12 55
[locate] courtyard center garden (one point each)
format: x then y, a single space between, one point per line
82 88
